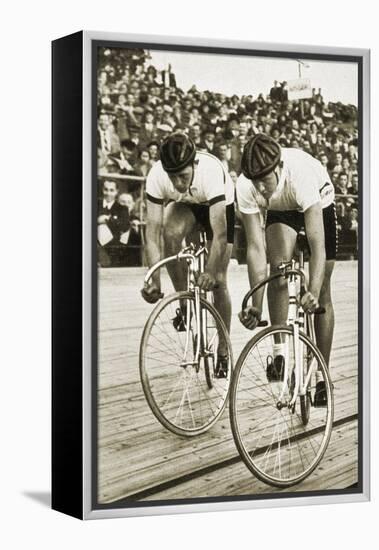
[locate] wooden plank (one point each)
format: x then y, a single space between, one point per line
135 451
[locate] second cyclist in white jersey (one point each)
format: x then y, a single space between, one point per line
290 190
187 189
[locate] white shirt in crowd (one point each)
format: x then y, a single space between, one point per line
105 140
303 182
108 205
211 183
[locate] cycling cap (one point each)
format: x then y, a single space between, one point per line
177 151
261 155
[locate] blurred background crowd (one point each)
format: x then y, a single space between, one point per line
139 106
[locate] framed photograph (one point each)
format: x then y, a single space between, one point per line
210 275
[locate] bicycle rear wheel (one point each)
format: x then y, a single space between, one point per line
275 443
183 392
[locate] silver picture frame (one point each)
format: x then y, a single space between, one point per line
91 510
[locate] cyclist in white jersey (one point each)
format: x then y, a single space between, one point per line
187 189
291 190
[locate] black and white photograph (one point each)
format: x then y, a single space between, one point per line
227 267
189 292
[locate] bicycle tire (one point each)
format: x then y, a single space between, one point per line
305 408
147 382
237 419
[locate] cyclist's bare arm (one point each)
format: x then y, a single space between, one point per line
314 228
255 254
154 223
217 218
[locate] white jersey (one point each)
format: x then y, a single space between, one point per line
211 183
304 181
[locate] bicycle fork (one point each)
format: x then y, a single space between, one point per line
199 314
296 320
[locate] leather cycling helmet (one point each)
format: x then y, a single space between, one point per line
261 155
176 152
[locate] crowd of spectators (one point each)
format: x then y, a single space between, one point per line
139 106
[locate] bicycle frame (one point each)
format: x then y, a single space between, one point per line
299 320
195 258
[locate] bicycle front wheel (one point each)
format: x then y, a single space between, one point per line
281 445
178 364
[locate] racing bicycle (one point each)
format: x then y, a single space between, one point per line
179 351
279 432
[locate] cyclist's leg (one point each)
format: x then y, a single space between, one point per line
324 324
281 241
221 295
178 222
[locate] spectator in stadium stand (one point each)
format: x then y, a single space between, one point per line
108 140
208 142
125 117
334 178
134 136
167 116
113 222
148 129
244 129
153 148
352 229
126 157
335 150
342 221
346 167
126 199
151 75
337 162
353 218
353 186
283 96
158 114
352 152
275 92
177 114
323 157
163 131
222 154
195 134
237 150
143 165
341 187
306 146
132 95
130 245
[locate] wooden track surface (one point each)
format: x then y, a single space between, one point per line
139 459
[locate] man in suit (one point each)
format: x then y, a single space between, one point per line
113 222
108 140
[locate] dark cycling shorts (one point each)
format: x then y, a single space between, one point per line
295 219
201 213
